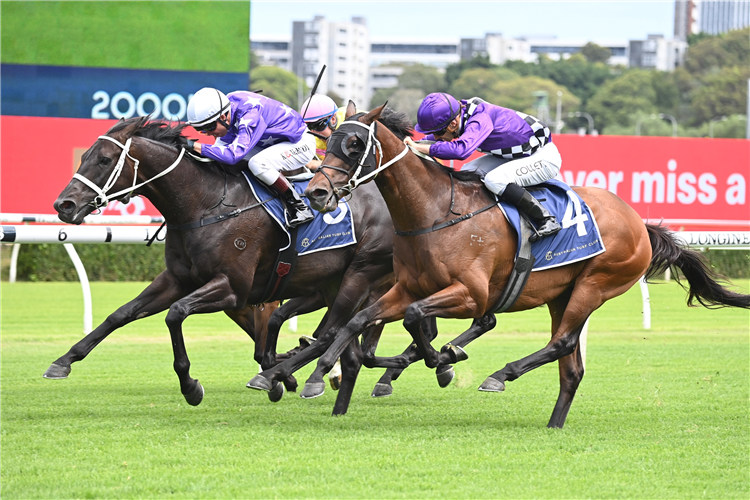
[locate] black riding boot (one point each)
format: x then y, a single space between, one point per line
299 212
546 223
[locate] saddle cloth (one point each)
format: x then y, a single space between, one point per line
579 238
324 232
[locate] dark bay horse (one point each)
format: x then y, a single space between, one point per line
442 274
224 266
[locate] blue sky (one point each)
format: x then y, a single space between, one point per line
588 20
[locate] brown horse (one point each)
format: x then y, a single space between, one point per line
446 274
224 266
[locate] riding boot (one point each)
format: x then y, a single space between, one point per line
298 211
546 223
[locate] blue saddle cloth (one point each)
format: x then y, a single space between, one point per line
324 232
579 238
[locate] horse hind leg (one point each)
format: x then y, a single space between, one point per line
568 319
571 372
351 363
155 298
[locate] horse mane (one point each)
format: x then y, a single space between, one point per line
157 130
396 122
399 124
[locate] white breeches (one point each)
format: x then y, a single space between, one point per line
498 172
266 163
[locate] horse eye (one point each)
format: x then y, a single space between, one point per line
105 161
354 146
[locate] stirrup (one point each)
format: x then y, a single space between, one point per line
542 232
300 217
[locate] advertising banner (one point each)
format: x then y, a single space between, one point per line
688 184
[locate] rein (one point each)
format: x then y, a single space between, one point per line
443 225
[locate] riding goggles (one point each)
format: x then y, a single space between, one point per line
210 127
319 125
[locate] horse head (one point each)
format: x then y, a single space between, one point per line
108 171
354 156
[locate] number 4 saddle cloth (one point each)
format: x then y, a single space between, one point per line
579 238
324 232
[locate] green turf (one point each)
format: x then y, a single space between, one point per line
660 414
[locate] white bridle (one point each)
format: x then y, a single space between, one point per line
102 197
374 144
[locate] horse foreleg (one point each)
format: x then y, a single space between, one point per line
454 301
216 295
397 364
157 297
389 307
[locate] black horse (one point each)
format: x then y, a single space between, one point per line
224 266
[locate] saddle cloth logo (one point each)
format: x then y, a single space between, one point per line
324 232
579 238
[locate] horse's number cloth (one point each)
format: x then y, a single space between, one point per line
579 238
324 232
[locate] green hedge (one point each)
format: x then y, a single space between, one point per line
141 263
46 262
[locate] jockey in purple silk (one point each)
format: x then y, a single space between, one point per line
519 149
270 135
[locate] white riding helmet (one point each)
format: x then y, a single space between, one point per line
206 106
317 107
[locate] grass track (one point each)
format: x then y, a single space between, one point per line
660 414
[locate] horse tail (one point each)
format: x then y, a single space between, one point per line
705 285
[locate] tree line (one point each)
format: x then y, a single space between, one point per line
707 95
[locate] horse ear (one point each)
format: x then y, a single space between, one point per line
351 110
373 115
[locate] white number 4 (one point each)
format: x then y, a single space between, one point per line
574 214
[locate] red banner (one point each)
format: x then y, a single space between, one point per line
690 184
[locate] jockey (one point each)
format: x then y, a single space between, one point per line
267 133
519 149
322 117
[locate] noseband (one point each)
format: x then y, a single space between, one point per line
363 168
102 198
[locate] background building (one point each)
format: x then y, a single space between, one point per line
656 52
344 47
720 16
709 16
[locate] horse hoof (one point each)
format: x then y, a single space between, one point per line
335 382
56 372
334 376
445 377
306 341
290 384
492 385
313 390
259 382
195 396
382 390
456 353
276 393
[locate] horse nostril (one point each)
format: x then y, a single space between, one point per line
320 193
66 206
